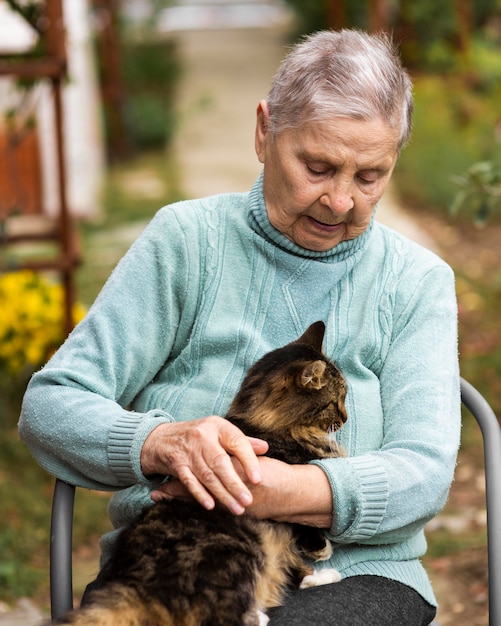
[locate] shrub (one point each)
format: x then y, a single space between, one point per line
455 125
151 71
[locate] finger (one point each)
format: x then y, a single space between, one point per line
158 496
195 487
172 489
260 446
220 478
241 447
208 484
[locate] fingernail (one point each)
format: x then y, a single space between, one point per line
255 477
237 509
245 499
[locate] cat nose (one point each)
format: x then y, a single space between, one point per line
342 412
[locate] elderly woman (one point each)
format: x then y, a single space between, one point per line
136 392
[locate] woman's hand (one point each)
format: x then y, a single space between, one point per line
288 493
199 454
291 493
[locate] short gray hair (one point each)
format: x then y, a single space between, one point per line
346 73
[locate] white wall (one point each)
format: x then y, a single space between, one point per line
85 154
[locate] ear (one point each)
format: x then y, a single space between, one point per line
314 336
262 120
312 375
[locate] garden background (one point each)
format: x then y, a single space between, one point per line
447 181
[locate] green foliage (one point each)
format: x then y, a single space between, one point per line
312 15
480 190
151 71
427 25
148 121
453 128
19 570
427 30
479 299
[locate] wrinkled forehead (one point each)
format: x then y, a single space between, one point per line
370 144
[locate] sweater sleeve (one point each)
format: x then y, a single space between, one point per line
386 495
75 418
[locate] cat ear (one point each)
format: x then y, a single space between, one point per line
312 375
313 336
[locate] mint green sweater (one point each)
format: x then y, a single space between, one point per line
207 289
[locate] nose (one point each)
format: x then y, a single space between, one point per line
338 197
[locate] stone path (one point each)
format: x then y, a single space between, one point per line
25 613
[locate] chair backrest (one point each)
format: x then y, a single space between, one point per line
61 586
491 433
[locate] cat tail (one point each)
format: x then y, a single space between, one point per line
117 604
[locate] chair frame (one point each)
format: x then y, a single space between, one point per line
491 433
61 580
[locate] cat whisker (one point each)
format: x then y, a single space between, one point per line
335 448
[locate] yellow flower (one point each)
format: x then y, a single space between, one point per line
31 319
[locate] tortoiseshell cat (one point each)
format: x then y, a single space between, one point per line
180 565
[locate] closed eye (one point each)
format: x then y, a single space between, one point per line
318 169
367 179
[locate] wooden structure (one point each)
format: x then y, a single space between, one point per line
24 223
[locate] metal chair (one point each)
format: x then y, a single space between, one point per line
61 585
491 434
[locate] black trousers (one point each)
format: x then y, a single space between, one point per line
355 601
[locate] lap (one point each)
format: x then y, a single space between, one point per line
354 601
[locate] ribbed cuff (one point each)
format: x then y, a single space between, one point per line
360 496
125 442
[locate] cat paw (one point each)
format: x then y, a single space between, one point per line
263 618
320 577
325 553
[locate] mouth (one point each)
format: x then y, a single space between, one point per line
328 228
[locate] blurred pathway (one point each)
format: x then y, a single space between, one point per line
24 614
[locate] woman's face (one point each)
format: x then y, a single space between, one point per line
322 181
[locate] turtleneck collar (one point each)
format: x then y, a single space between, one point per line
260 223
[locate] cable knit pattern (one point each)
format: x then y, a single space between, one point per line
207 289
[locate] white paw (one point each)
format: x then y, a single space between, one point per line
263 619
320 577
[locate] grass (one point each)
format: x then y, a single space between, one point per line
25 505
